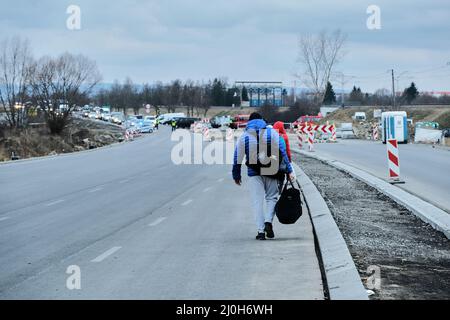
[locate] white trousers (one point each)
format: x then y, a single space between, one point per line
263 188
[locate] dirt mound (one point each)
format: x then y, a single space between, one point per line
79 135
363 129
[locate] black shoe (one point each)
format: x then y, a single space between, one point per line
261 236
269 230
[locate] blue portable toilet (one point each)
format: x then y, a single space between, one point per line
394 126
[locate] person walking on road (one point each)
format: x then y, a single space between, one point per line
279 126
157 124
173 123
263 184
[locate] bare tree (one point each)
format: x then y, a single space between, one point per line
15 62
59 83
318 54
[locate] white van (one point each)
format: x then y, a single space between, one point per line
166 117
359 116
394 125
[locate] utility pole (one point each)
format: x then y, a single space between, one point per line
393 90
295 91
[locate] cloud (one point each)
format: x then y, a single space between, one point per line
252 39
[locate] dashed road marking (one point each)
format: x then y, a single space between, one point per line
95 189
207 189
124 181
106 254
186 202
157 221
54 202
4 218
220 180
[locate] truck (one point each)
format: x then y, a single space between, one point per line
394 126
240 121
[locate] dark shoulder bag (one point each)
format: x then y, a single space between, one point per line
289 206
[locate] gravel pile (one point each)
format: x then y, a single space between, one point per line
413 257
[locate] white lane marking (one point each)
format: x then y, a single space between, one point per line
95 189
106 254
54 202
186 202
157 221
124 181
220 180
207 189
4 218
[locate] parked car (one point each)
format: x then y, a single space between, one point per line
106 115
92 115
146 126
134 121
150 118
117 117
185 123
446 132
85 112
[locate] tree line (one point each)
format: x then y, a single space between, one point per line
382 97
194 97
54 85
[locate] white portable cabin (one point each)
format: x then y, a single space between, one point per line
394 125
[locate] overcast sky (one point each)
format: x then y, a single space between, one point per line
240 39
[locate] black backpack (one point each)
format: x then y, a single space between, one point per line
289 206
254 162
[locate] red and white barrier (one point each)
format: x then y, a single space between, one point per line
393 161
311 136
206 136
300 139
375 132
129 135
198 127
311 129
333 135
307 128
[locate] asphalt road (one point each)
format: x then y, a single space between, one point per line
140 227
426 170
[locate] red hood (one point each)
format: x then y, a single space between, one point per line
279 125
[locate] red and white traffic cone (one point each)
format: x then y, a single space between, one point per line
375 133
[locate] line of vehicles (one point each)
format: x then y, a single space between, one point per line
138 123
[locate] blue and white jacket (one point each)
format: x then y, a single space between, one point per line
248 141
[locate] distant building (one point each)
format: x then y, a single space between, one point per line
436 93
263 92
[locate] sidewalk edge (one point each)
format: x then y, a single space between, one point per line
342 277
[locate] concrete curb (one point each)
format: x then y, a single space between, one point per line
342 277
437 218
